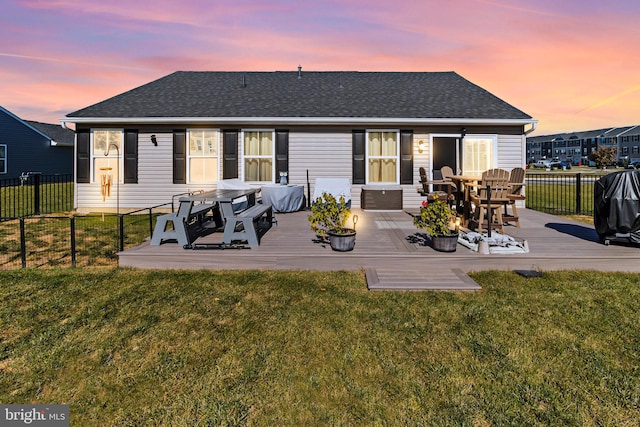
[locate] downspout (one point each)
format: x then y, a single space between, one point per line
534 126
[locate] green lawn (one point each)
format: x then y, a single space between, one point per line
128 348
18 201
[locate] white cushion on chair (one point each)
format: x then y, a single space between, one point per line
335 186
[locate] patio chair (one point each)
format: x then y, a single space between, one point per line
488 210
443 187
516 192
335 186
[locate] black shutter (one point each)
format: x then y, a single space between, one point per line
358 152
179 157
406 157
130 156
282 153
83 156
230 154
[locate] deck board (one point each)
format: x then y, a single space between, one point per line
383 244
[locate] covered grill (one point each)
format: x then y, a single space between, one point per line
617 207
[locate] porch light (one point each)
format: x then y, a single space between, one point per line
421 146
355 221
154 141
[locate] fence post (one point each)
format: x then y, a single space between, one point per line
36 193
23 244
578 194
121 221
73 241
150 223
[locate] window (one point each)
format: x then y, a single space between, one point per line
106 152
478 154
202 155
3 158
382 157
625 150
635 150
258 156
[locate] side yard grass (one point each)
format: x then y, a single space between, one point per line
126 347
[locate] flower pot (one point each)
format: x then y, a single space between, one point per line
445 243
342 242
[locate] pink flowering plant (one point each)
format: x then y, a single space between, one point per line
436 218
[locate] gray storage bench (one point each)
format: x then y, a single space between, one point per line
249 224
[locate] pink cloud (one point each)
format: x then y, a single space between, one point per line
566 63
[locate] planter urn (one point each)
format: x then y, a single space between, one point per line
342 242
445 243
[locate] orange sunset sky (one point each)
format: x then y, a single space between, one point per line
572 64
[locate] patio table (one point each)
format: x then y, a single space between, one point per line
464 184
224 199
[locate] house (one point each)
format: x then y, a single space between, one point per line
188 130
578 146
27 146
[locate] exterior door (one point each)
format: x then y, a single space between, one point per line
444 153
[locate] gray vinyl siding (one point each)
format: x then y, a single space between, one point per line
323 155
155 180
511 151
321 152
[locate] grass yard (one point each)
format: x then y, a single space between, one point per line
128 348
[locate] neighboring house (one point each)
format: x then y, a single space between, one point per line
27 146
578 146
188 130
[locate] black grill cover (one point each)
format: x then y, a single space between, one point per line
617 205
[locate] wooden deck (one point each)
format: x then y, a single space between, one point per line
389 258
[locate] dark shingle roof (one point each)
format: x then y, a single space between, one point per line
315 94
55 132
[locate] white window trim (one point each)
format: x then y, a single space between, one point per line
188 169
6 155
368 157
273 154
117 155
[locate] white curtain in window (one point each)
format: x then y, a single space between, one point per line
375 144
477 155
251 172
389 148
266 145
251 144
266 166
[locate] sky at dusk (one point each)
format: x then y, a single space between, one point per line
571 64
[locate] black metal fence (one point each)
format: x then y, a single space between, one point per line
561 193
94 240
73 241
35 194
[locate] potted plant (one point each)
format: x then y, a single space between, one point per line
329 218
440 222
